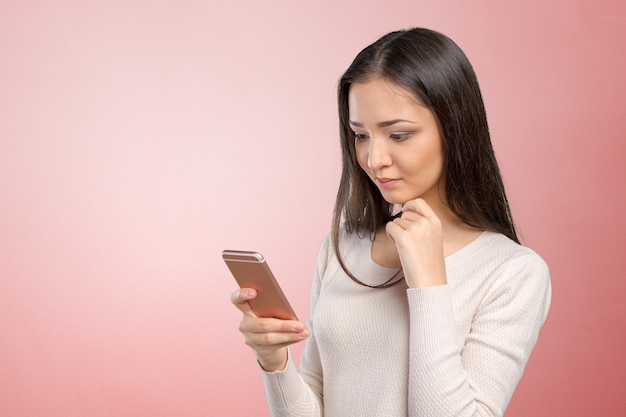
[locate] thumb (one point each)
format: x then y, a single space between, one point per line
240 299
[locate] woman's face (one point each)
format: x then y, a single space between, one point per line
397 140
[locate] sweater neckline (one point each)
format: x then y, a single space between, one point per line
471 248
372 273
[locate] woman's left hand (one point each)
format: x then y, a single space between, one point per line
418 238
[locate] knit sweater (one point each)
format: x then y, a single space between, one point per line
452 350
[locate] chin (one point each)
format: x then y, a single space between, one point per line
401 198
396 199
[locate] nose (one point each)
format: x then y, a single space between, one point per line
378 156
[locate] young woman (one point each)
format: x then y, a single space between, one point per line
423 302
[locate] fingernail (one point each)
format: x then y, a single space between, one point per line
250 293
297 327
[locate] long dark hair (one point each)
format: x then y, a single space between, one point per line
432 67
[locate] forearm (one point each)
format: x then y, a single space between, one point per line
438 382
473 374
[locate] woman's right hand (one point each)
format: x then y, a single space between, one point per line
268 337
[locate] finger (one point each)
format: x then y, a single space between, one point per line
391 228
270 341
275 339
240 299
414 228
280 326
264 332
408 220
391 231
270 325
419 206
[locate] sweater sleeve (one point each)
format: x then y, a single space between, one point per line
288 395
291 393
477 379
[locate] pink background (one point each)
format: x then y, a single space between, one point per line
140 138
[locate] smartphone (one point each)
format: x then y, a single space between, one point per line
251 271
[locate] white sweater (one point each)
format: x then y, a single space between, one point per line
452 350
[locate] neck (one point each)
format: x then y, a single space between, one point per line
454 232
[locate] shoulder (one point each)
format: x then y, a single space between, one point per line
349 244
496 251
517 273
494 264
516 257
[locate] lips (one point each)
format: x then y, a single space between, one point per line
386 182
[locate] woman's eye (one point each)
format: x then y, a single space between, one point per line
360 137
400 136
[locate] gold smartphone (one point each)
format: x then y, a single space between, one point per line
251 271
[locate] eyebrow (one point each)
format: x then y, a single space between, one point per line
382 124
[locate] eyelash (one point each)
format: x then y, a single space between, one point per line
399 137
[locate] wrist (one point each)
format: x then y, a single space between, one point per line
426 278
276 361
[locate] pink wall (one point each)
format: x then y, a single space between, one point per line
140 138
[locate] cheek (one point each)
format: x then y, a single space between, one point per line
361 157
421 166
